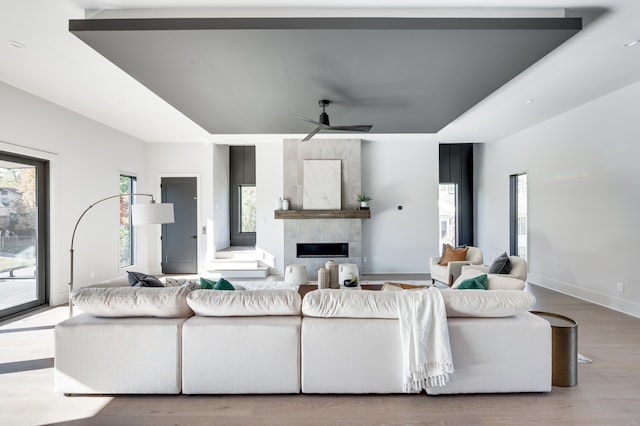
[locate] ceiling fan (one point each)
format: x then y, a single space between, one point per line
323 123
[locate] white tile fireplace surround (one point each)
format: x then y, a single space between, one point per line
312 231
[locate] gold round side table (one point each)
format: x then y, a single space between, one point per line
564 349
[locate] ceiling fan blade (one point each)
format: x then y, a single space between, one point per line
308 120
312 134
363 128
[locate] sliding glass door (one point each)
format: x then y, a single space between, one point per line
23 243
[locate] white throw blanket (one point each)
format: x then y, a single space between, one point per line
424 335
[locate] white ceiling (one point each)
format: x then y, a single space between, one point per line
57 66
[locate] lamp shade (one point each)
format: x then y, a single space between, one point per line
147 214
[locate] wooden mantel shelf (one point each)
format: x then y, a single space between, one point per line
322 214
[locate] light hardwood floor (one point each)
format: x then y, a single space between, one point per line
608 391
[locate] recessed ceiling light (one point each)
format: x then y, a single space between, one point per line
17 44
631 43
528 101
476 130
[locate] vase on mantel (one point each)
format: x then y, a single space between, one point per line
364 204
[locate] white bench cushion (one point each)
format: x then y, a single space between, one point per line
220 303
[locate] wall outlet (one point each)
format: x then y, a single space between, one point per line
620 287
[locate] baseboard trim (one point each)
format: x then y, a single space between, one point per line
589 295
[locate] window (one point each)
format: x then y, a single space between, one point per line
127 235
448 202
247 208
518 214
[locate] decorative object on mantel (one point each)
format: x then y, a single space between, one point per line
347 274
324 278
279 204
332 267
364 200
285 204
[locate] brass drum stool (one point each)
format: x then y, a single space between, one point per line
564 349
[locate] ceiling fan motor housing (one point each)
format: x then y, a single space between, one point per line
324 119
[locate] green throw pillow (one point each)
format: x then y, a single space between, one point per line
206 284
481 282
223 284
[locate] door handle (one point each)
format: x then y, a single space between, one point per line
195 237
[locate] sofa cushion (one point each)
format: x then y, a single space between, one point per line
502 265
162 302
333 303
453 254
245 303
496 281
481 282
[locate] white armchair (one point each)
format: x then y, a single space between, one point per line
448 273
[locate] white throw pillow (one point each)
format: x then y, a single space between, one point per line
228 303
162 302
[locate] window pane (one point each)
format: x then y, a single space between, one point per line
448 205
127 186
248 208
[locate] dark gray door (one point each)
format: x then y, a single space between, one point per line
180 239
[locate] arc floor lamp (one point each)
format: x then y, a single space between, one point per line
141 214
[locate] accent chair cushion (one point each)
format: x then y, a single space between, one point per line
481 282
502 265
452 254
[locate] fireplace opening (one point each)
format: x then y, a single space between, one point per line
323 250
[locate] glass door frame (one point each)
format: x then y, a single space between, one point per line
514 208
42 234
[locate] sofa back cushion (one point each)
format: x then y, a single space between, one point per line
214 303
161 302
496 281
332 303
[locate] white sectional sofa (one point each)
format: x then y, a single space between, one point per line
273 341
351 343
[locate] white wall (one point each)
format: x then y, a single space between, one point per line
86 159
583 198
400 173
221 224
185 160
269 187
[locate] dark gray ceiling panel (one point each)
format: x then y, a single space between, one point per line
246 76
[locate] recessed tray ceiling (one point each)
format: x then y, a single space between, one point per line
254 76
